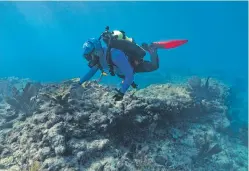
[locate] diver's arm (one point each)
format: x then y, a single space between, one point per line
121 61
89 75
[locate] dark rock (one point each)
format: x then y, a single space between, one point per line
133 148
1 148
160 159
129 155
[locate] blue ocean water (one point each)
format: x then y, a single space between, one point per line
43 40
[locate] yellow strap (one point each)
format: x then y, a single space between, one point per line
101 75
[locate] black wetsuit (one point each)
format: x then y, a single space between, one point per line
145 66
148 66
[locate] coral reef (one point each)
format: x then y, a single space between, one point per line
160 127
24 101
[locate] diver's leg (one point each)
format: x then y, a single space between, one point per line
133 84
149 66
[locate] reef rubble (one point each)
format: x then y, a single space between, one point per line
54 127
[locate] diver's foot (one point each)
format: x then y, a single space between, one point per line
145 46
152 49
149 48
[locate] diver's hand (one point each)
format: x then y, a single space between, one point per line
119 96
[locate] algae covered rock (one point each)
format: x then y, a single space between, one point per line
160 127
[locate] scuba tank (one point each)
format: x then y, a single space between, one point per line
118 40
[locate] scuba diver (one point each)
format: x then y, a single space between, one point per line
122 56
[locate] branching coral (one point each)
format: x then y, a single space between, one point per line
24 101
207 147
208 89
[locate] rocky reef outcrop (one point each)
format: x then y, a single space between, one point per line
54 127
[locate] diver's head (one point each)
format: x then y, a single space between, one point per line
92 49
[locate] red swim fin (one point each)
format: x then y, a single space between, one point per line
169 44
